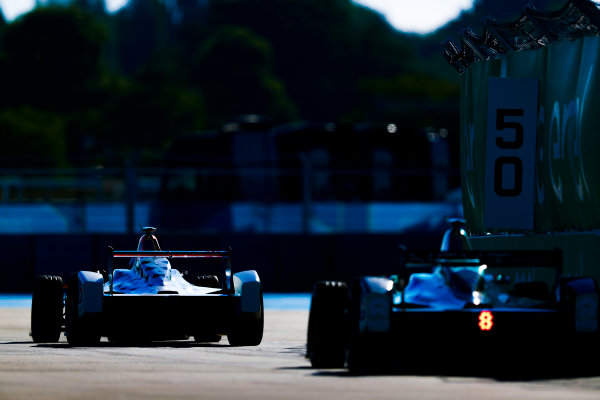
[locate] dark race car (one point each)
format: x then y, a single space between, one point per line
147 299
464 310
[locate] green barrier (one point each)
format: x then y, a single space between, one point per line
565 178
522 196
581 251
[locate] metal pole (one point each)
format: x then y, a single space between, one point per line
306 192
131 192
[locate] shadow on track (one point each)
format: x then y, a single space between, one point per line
172 344
503 376
515 370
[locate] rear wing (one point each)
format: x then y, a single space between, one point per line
491 258
421 261
223 254
173 254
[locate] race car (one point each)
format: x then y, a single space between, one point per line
462 310
149 300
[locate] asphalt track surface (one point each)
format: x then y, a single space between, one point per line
276 369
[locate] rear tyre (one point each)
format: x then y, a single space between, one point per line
327 337
363 353
47 309
248 329
80 331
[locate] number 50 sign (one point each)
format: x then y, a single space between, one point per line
510 153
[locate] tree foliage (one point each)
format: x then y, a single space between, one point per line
232 67
104 85
32 138
52 58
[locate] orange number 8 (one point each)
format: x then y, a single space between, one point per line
486 320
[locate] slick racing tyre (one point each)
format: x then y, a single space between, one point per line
367 353
47 309
327 337
247 330
80 331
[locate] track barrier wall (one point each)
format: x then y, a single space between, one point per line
285 263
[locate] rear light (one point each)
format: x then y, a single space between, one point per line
486 320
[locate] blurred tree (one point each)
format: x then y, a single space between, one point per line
232 68
322 48
51 58
142 28
50 72
32 138
97 7
158 68
186 12
147 112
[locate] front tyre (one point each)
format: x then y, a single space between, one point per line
47 309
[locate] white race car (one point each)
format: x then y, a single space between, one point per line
149 300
